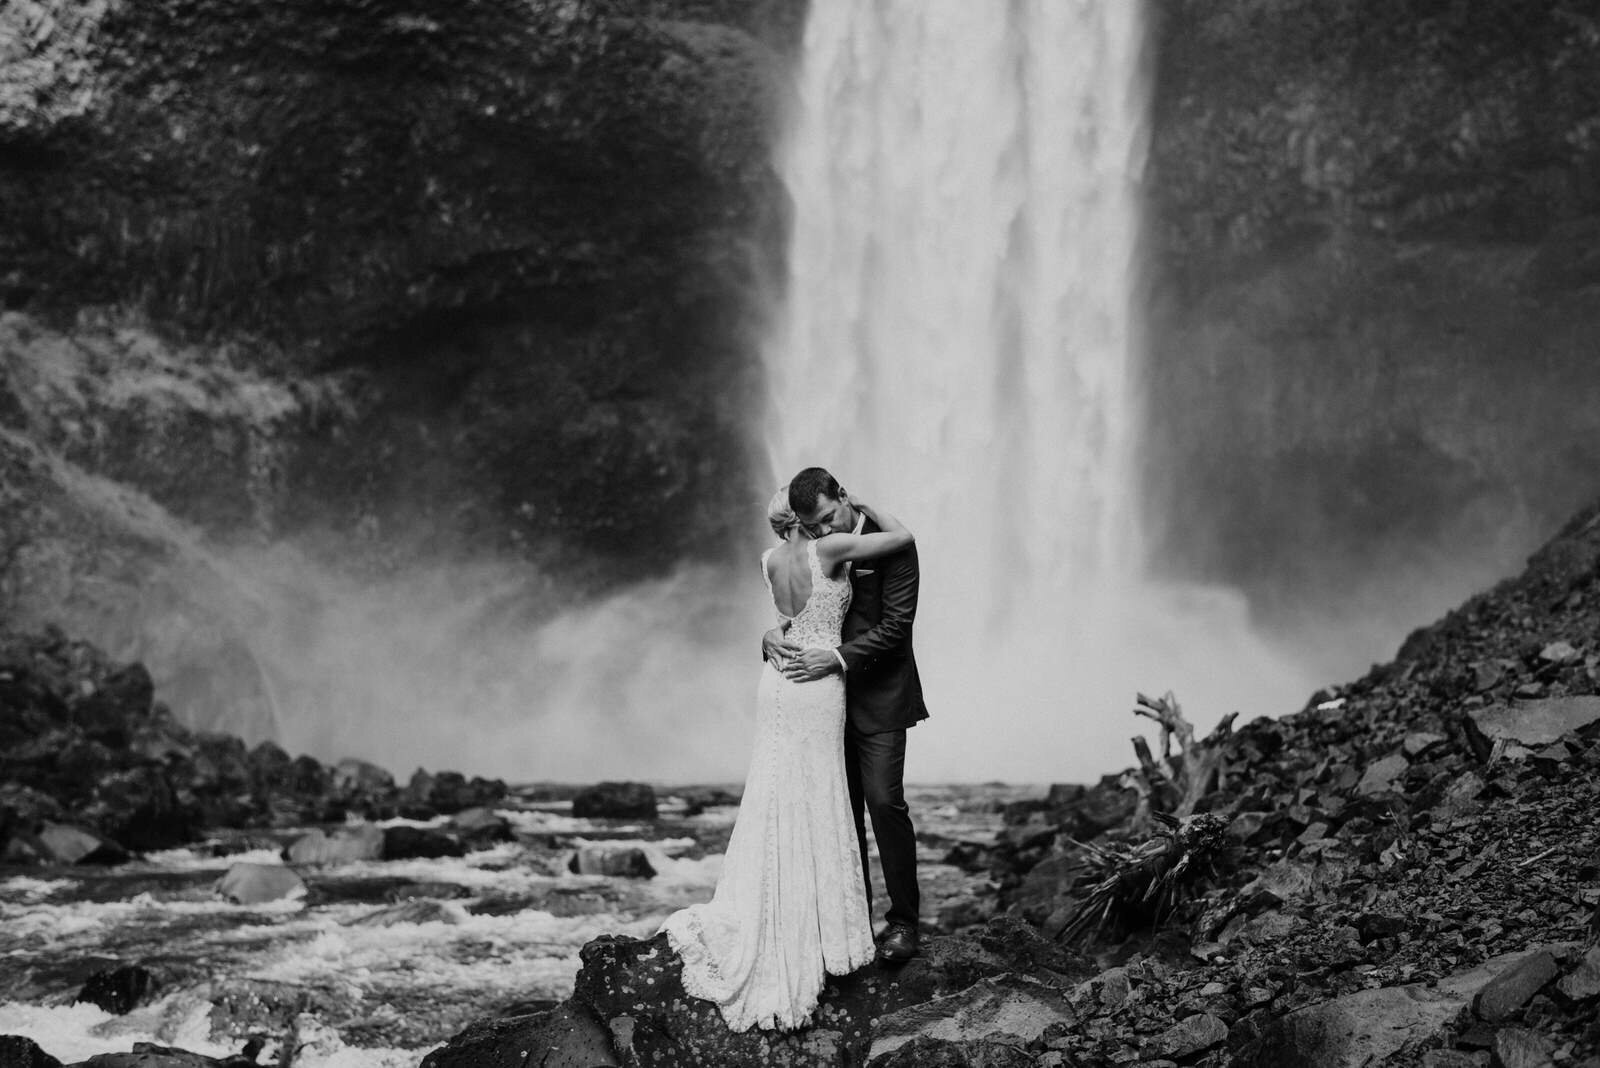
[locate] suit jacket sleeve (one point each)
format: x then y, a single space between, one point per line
892 632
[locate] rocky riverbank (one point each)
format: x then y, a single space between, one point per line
1411 877
1411 871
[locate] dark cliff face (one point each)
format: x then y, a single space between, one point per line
534 239
1374 291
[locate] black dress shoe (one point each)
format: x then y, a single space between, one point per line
899 944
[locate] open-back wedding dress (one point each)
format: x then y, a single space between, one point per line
790 907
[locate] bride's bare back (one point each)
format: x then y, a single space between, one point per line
790 575
789 571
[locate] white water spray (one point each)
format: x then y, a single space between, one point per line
960 347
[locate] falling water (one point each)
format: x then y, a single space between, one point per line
960 347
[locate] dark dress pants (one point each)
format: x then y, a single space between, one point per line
875 767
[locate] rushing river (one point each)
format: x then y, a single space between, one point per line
384 959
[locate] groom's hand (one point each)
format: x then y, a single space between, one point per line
809 665
775 648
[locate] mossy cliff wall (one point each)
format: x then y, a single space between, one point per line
1375 237
530 242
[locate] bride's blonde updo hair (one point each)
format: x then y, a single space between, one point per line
780 515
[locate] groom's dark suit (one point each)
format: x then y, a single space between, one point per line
883 697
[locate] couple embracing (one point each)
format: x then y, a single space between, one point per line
839 689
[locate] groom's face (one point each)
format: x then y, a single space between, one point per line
829 516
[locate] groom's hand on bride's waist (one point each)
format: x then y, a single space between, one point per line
809 665
776 648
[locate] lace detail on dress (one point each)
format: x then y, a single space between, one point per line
790 907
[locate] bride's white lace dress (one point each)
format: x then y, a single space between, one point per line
790 907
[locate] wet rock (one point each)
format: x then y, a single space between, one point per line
120 990
1560 653
1582 983
1383 775
269 767
19 1052
616 800
641 981
567 1036
970 856
1106 991
1260 930
1461 796
364 841
125 695
140 809
1247 826
1357 1029
220 763
943 1053
625 862
421 910
697 799
24 808
150 1055
412 843
1518 1047
307 777
1004 1005
255 884
1515 986
964 911
1418 743
1452 1058
358 778
1535 723
480 827
411 891
1374 925
450 791
59 843
1185 1038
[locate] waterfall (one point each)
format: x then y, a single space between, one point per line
959 345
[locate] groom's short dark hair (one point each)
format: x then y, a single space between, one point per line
808 485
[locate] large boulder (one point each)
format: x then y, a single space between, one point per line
628 1006
60 843
616 800
408 843
1368 1026
1006 1007
140 808
352 778
256 884
119 990
564 1037
638 983
1535 723
481 826
451 791
19 1052
605 858
362 841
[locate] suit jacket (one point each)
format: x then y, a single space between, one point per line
883 691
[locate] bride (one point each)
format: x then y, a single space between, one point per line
790 906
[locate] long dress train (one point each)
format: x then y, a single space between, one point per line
790 907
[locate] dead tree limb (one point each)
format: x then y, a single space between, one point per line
1196 768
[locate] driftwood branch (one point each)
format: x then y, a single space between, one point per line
1180 779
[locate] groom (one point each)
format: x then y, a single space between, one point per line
883 696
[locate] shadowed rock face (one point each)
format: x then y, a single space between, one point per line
1373 276
630 991
534 239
